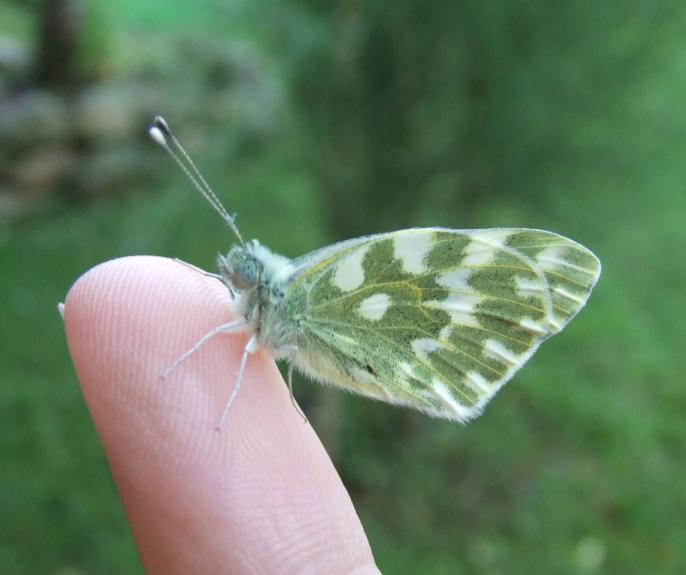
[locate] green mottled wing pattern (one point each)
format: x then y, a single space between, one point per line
435 319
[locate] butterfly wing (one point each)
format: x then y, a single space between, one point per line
435 319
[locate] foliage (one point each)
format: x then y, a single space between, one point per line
457 103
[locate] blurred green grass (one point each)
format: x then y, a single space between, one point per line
578 465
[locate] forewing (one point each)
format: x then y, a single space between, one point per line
436 319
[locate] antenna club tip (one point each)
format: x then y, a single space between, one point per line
161 123
156 134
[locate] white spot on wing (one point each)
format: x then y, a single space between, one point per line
532 326
406 368
551 255
478 254
482 249
349 273
554 257
526 287
495 236
569 295
477 381
554 324
456 279
446 332
460 411
498 351
423 346
461 308
375 306
411 248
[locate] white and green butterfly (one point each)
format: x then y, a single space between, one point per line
430 318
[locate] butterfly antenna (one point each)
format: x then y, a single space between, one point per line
162 135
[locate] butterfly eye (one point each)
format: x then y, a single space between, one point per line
245 274
239 268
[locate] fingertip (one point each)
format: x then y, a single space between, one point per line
261 490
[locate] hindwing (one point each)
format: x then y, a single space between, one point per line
435 319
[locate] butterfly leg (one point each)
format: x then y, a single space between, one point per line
200 270
291 367
247 350
224 328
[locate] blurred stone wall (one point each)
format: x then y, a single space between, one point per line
91 140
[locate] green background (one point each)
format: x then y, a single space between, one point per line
337 119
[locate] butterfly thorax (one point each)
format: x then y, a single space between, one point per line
259 278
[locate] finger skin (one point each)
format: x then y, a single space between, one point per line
259 496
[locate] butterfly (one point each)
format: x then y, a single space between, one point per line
434 319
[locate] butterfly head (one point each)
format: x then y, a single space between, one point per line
254 266
240 266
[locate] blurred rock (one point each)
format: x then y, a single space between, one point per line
93 141
238 89
113 170
12 204
32 117
106 113
14 55
41 171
